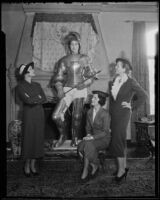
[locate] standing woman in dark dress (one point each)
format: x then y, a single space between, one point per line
32 97
121 92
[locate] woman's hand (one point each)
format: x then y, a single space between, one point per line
88 137
125 104
39 96
49 98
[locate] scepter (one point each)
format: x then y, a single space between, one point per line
55 99
83 81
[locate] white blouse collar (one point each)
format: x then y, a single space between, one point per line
118 82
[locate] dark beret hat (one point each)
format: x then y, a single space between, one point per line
125 61
102 94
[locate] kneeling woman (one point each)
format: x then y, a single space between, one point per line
98 135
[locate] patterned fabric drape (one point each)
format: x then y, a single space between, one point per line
140 68
63 17
48 45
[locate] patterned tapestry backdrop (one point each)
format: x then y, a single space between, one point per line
48 45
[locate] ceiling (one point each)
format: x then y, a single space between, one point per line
89 6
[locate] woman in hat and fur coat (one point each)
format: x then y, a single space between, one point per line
32 96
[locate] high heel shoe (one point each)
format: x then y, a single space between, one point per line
84 180
124 175
115 173
127 169
95 173
26 174
35 173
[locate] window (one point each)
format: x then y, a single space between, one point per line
151 51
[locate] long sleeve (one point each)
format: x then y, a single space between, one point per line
141 95
100 127
105 128
44 99
88 125
29 97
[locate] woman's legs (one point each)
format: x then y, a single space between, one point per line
85 168
122 163
121 166
94 167
125 158
32 165
89 150
86 150
27 166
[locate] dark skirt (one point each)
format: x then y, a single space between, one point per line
33 132
119 123
90 148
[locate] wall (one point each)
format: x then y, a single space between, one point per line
12 25
117 33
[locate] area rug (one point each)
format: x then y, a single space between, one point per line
60 178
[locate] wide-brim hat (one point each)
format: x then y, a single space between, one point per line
24 68
30 64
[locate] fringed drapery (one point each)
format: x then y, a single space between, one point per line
61 17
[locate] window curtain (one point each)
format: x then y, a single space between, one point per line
139 60
140 67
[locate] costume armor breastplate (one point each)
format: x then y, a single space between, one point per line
74 72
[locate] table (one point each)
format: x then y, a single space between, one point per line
145 133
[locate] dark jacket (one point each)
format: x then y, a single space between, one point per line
100 126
